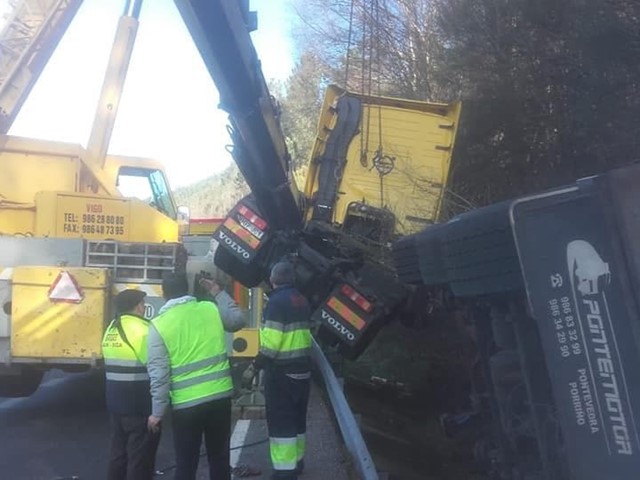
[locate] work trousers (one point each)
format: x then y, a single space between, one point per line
133 448
286 398
213 420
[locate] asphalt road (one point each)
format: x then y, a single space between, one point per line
60 432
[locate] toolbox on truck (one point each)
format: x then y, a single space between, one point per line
580 256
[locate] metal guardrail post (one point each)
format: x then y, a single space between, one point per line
346 421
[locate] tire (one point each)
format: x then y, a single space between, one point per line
480 253
22 384
431 262
418 258
405 260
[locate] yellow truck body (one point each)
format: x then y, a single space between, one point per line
415 140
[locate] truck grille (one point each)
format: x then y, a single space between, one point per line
132 262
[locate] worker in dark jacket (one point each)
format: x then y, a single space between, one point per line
190 372
285 341
124 347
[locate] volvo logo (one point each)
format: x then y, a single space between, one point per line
341 329
233 245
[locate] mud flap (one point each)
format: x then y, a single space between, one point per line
241 239
355 312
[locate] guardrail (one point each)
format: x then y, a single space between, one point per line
346 421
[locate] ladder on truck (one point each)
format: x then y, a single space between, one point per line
28 38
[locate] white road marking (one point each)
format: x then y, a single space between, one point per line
237 439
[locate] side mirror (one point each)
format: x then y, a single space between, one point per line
184 215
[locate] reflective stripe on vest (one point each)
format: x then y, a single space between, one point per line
123 362
285 341
195 340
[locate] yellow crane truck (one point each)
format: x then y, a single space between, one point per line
69 237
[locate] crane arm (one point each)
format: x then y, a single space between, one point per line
27 41
220 30
113 85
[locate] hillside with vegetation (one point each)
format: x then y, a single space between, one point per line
213 196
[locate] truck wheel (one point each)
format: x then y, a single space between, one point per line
418 258
480 253
405 260
22 384
429 246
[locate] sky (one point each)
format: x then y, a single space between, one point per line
169 108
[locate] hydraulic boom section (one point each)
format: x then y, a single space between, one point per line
220 29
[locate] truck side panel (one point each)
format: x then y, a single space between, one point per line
58 331
68 215
398 159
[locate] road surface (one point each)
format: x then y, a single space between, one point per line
61 433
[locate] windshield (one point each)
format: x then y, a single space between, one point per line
148 185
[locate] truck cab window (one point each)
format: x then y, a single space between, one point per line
148 185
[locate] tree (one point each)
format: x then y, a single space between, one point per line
547 91
301 105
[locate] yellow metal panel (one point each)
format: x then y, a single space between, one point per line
420 145
246 343
417 136
148 225
95 217
18 222
43 329
81 215
30 166
204 226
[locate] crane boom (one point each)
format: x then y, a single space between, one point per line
27 41
220 29
113 85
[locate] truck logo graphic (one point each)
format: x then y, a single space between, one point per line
590 276
589 273
341 329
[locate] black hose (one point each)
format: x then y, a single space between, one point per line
202 454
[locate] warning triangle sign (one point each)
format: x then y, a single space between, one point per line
65 289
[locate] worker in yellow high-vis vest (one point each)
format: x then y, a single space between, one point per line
189 370
124 348
285 343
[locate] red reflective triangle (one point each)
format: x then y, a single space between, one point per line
65 288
